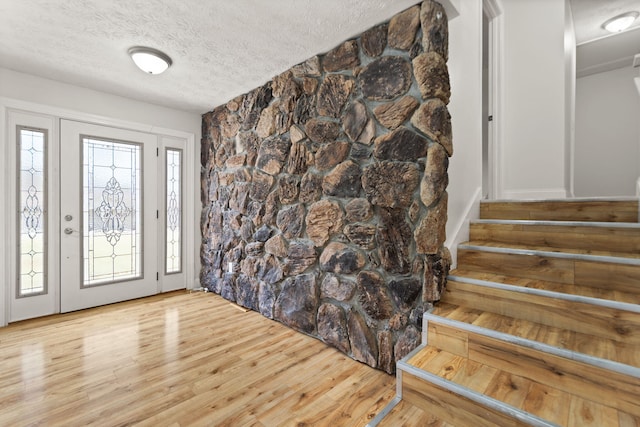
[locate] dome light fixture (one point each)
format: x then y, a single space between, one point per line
149 60
620 23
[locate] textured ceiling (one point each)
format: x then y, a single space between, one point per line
220 49
589 15
598 50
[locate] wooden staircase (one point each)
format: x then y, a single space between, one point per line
540 323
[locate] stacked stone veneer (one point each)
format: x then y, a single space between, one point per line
325 189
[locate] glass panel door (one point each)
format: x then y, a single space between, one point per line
31 216
112 211
109 215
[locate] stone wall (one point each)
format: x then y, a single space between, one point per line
324 190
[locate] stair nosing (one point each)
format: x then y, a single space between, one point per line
550 254
474 396
611 365
384 412
595 224
571 200
634 308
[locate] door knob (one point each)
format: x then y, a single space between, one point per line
68 230
68 217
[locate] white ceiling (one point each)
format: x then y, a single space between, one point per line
599 50
220 49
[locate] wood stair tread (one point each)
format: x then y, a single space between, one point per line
625 210
574 251
595 346
614 237
408 415
571 289
544 401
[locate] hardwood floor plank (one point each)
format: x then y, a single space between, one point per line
179 359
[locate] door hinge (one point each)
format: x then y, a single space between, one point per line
157 276
157 152
157 214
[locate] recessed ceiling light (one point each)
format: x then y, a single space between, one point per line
620 22
150 60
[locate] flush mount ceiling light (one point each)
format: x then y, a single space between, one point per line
150 60
620 22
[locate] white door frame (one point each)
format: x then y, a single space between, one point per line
494 12
191 188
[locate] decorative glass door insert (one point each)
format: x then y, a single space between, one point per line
112 211
173 237
32 158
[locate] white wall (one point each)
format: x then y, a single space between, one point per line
570 98
607 147
465 167
35 94
534 99
38 90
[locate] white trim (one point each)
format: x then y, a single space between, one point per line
461 233
535 194
64 113
4 227
451 7
494 11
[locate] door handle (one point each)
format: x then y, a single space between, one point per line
68 230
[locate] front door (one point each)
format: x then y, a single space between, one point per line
109 215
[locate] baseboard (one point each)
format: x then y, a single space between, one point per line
461 231
536 194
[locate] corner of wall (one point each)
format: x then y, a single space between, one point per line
461 233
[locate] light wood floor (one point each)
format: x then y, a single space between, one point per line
179 359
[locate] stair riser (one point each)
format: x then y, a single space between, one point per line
605 322
589 382
451 407
601 211
612 276
623 240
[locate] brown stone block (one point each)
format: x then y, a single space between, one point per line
391 184
403 28
435 29
431 233
343 57
432 76
333 94
393 114
435 179
433 120
385 78
331 154
374 40
343 181
372 295
324 218
362 340
332 327
341 259
322 131
401 144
